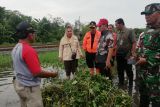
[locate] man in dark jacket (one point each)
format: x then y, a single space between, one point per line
126 44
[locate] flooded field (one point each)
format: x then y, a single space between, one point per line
9 98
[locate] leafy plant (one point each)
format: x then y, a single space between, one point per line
50 59
5 62
84 91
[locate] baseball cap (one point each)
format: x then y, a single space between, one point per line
151 8
24 27
102 21
92 24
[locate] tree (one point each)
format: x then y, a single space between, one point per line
2 14
50 30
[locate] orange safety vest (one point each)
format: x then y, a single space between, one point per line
87 42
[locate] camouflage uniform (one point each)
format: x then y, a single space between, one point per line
148 47
149 74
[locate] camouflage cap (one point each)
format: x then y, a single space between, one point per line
151 8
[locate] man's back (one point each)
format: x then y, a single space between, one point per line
23 56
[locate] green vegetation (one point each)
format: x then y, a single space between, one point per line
50 59
49 30
5 62
84 91
46 59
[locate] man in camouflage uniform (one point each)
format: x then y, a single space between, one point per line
148 52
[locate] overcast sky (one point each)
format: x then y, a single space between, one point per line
87 10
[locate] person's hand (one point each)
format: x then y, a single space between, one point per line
82 56
141 61
134 54
108 64
55 73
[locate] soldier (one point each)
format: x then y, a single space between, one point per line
148 51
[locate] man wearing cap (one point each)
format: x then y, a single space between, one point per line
126 44
105 49
148 51
90 42
27 69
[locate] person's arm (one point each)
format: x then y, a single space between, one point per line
133 51
115 43
45 74
151 58
31 59
110 53
79 51
110 50
133 40
141 61
60 51
84 43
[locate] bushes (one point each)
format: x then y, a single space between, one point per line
85 91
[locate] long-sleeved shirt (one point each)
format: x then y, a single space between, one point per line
67 46
87 42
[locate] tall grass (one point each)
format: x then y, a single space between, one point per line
50 59
46 59
5 62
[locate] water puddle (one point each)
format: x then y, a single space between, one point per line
9 98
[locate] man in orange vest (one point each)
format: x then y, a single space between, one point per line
90 43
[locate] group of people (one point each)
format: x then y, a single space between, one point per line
102 47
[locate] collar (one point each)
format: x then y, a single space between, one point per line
23 42
122 30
